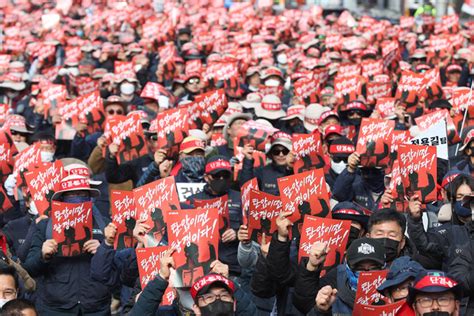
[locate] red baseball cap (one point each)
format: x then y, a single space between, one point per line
203 284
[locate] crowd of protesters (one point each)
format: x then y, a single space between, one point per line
267 59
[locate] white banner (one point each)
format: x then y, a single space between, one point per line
434 136
185 190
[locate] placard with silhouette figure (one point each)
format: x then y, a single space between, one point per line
207 108
334 232
5 203
42 183
124 216
148 261
304 194
245 197
373 144
308 151
418 170
367 285
221 203
72 226
194 234
7 150
264 209
172 127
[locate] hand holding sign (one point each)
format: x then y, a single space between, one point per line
166 263
49 248
220 268
140 230
414 207
325 298
229 235
243 234
353 162
110 231
91 246
317 255
284 224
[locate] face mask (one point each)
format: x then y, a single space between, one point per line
437 313
338 167
353 235
220 186
76 199
391 249
461 210
32 209
193 168
74 71
218 308
298 129
253 89
282 59
272 83
47 156
127 88
374 180
3 301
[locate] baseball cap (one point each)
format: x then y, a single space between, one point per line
282 139
467 139
204 284
449 177
333 129
401 270
216 164
365 249
433 282
341 147
190 144
352 212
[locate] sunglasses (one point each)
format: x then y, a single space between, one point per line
339 159
14 133
221 175
153 138
278 151
194 81
354 112
112 112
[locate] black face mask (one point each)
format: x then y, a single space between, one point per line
374 179
220 186
353 235
391 249
298 128
437 313
218 308
355 122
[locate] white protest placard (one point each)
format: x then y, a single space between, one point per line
436 135
185 190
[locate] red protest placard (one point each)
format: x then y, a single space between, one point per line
376 90
121 67
304 194
72 226
348 70
264 209
221 71
347 89
207 108
52 95
124 216
27 159
3 112
194 235
308 151
367 285
334 232
377 310
432 84
42 183
409 86
153 90
221 203
86 85
254 133
386 107
460 99
127 132
245 196
424 122
88 109
374 142
371 68
5 203
153 202
418 171
7 150
148 260
172 127
398 138
396 188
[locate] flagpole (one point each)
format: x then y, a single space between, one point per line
464 118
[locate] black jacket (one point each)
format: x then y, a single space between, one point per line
461 270
266 176
130 170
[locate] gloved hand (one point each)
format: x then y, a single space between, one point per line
234 161
10 184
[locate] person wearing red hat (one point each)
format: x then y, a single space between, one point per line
466 165
328 118
192 85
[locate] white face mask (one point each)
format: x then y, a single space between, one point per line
127 88
338 167
12 94
47 156
32 209
3 301
272 83
282 59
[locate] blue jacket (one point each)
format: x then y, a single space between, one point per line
66 282
81 147
227 251
351 187
267 176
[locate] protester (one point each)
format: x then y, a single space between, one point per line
19 307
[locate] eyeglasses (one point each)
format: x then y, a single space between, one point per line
9 294
221 175
277 151
14 133
427 302
112 112
194 81
211 298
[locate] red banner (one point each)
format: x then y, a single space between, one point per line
207 108
72 226
245 197
426 121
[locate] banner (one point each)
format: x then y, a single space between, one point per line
334 232
124 216
434 136
207 108
374 310
72 226
264 209
5 203
194 235
424 122
185 189
374 141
